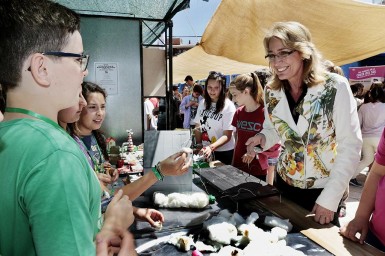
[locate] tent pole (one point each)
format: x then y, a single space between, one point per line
170 110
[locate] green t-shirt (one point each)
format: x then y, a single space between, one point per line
49 195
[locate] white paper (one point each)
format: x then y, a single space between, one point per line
106 75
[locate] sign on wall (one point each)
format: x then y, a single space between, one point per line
106 75
366 75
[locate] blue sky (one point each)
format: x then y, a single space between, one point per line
193 21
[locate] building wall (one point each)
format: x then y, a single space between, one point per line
117 40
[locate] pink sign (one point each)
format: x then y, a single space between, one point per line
366 75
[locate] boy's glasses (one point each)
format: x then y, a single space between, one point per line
81 58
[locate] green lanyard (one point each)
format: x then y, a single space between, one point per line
38 116
98 167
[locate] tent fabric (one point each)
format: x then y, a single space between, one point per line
344 31
197 63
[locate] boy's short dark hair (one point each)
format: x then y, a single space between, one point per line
197 88
188 78
28 27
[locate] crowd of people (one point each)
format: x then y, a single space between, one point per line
301 120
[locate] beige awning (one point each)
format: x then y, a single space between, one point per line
197 63
344 31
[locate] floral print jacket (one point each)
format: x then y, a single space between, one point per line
323 148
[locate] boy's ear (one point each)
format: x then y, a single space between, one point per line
39 69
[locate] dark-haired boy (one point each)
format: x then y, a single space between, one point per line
50 197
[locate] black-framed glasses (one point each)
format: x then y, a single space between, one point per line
279 56
82 58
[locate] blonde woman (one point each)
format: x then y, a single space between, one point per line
314 114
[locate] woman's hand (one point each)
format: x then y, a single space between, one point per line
322 215
258 139
149 215
176 164
357 225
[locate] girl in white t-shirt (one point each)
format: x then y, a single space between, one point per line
213 120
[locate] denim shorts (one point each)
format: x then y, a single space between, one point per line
272 161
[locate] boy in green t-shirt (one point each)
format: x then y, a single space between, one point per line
50 197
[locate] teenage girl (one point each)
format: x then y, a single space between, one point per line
88 129
93 143
247 92
213 127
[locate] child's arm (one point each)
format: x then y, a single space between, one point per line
360 223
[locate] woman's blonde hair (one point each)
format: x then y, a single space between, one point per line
250 81
297 37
